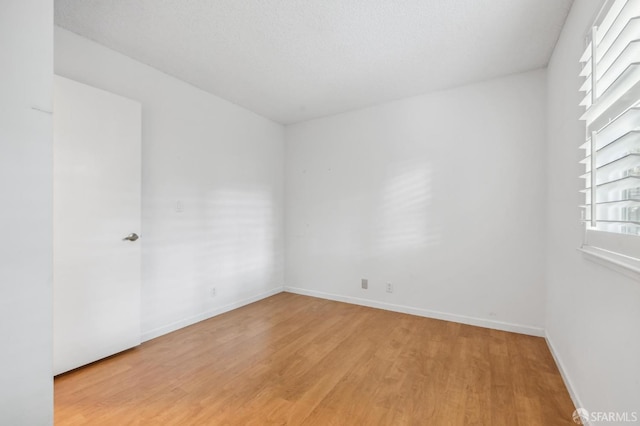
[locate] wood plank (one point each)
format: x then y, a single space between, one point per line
294 360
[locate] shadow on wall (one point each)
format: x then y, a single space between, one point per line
402 219
240 238
227 239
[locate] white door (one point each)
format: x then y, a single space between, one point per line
96 191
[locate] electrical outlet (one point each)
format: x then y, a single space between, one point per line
365 283
389 288
213 292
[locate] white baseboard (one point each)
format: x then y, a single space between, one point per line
480 322
565 376
157 332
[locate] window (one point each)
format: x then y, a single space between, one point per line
611 87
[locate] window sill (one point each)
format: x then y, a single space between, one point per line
626 265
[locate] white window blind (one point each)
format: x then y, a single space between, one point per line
611 87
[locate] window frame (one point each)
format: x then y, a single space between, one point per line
616 250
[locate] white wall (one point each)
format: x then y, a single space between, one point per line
225 166
593 313
26 53
443 195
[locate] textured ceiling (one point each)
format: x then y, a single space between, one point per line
293 60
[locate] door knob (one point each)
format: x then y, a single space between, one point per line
131 237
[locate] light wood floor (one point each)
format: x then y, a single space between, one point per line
290 360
